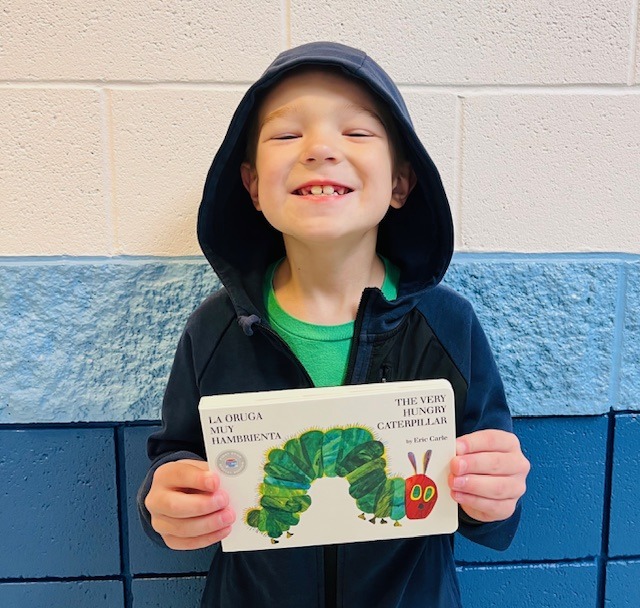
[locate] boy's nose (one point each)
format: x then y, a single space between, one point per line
320 152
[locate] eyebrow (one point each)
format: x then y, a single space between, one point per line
294 109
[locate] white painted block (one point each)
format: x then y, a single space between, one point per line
551 173
169 40
495 41
52 194
164 142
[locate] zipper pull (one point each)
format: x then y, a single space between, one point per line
385 372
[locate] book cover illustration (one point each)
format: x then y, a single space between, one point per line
296 480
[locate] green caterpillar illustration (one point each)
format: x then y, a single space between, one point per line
349 452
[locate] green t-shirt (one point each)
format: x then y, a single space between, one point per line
322 349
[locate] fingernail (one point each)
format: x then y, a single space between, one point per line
458 482
462 466
461 447
209 483
227 517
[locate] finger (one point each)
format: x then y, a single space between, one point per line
184 505
200 542
488 440
489 486
193 527
187 475
485 509
490 463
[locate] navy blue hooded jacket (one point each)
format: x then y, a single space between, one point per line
429 331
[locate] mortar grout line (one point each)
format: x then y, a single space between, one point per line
458 160
618 337
286 14
459 257
601 588
633 42
234 85
107 168
123 516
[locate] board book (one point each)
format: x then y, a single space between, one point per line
332 465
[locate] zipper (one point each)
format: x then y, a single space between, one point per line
357 328
284 347
384 373
329 552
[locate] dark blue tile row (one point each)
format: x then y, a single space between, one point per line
144 555
60 511
624 536
76 594
525 586
58 503
562 509
623 589
167 592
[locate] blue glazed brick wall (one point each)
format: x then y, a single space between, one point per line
625 491
59 503
565 491
87 548
145 556
89 594
85 349
168 592
535 585
623 590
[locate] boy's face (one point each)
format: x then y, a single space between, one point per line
324 169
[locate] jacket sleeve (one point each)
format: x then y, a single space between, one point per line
485 408
181 436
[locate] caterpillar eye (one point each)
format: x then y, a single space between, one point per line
416 492
429 492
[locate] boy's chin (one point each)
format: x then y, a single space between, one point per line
333 236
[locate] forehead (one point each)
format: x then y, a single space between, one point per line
317 84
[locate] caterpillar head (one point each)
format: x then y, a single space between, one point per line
421 492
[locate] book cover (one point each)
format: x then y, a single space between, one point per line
334 465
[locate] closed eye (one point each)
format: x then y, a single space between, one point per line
285 136
358 134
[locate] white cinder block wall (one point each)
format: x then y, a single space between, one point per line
112 112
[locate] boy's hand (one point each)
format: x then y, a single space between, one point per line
488 474
188 508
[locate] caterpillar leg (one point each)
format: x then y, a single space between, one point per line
362 516
397 524
383 521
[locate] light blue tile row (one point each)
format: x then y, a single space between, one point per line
551 326
93 340
630 355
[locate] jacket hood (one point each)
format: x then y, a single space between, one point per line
239 243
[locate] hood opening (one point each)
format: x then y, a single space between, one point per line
238 242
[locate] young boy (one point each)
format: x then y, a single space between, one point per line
326 221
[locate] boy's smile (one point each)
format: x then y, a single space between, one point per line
324 169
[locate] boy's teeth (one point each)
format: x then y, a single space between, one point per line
328 190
